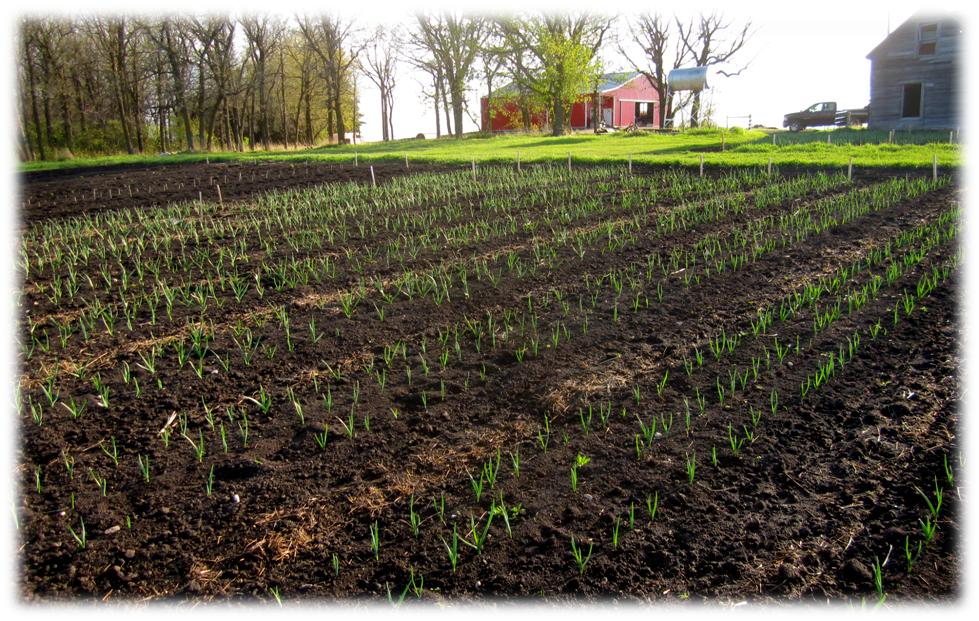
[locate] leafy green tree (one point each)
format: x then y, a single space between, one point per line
555 58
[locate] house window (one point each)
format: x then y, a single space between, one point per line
927 39
911 106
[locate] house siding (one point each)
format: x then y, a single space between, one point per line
896 62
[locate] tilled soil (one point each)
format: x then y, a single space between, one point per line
76 191
829 484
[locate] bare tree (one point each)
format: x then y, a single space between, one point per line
105 84
712 40
379 64
171 37
264 34
454 42
333 40
653 33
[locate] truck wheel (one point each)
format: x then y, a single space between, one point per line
796 126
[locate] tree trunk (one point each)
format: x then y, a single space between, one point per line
161 124
391 114
338 107
489 103
200 101
66 121
263 105
46 108
330 126
435 101
251 122
39 132
458 101
596 112
353 121
212 119
76 83
558 123
282 93
445 108
137 117
384 118
309 117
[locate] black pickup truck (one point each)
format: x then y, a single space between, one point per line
824 113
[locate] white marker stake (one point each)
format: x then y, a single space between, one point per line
518 161
701 164
373 180
569 161
220 199
474 169
950 137
934 167
769 167
630 163
849 171
773 139
406 160
723 141
356 159
829 138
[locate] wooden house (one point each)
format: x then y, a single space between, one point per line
915 75
624 98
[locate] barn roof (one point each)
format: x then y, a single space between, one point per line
606 82
612 81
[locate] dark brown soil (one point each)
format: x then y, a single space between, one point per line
829 485
74 191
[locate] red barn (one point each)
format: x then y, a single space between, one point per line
626 97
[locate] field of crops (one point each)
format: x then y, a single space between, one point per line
489 382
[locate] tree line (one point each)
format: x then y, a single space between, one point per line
105 84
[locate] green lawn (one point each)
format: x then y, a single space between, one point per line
740 148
